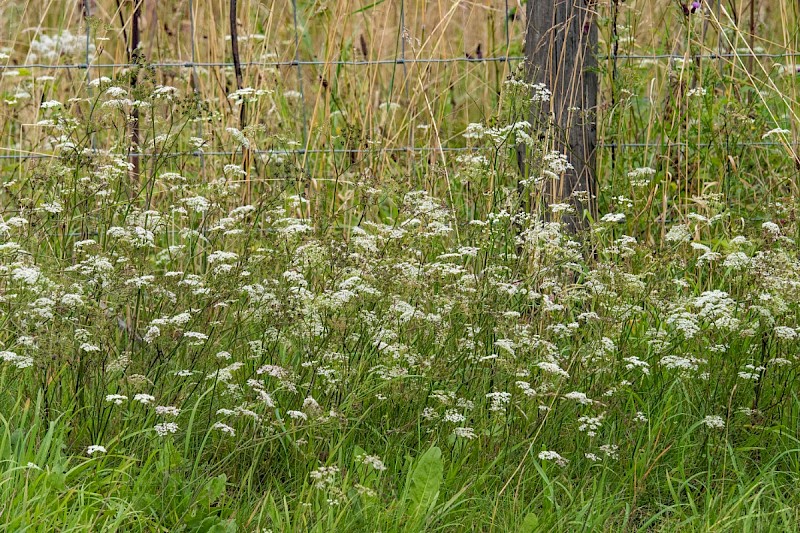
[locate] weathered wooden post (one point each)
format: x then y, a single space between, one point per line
134 57
560 44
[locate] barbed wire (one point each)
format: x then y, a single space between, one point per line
229 153
721 55
610 145
287 63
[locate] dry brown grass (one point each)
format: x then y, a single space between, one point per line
328 31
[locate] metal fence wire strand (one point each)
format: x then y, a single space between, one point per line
275 153
394 61
290 63
20 154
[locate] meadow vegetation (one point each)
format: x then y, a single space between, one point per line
345 309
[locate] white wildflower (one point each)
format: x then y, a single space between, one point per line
499 400
167 410
224 428
554 457
374 461
714 422
464 433
166 428
579 397
117 399
144 398
678 233
736 261
613 217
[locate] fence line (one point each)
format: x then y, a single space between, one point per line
395 61
21 154
700 145
721 55
223 153
289 63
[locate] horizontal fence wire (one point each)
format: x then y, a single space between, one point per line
288 63
693 145
711 55
396 61
21 155
363 151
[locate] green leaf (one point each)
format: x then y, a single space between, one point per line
215 487
367 7
426 479
228 526
211 524
358 451
529 524
56 480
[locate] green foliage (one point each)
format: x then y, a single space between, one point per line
423 486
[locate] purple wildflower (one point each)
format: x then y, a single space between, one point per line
688 9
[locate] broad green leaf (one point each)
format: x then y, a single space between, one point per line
227 526
426 479
529 524
216 486
211 524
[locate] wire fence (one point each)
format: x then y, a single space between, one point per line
511 33
295 63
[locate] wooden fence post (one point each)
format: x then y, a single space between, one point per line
134 55
560 44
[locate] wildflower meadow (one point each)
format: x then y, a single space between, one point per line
317 289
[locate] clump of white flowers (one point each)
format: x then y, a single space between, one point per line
50 48
19 361
166 428
95 448
117 399
555 457
678 233
373 461
224 428
714 422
